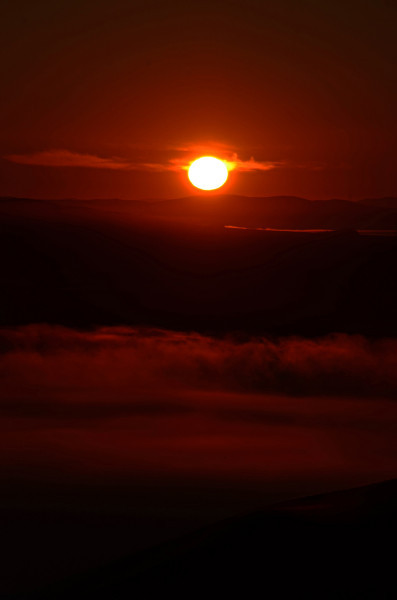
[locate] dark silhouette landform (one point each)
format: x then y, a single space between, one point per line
174 264
336 545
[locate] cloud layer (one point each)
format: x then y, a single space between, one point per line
340 364
119 401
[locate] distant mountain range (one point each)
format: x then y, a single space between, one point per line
274 212
282 212
174 264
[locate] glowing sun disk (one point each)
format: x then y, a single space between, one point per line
208 173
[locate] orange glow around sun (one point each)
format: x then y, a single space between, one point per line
208 173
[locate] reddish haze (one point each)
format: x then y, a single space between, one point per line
141 87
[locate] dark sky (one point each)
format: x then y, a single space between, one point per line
111 99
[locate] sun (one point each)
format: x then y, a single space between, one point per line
208 173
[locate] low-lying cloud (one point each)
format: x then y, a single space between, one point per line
343 365
124 401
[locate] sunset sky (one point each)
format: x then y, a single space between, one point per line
226 343
111 100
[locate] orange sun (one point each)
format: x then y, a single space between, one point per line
208 173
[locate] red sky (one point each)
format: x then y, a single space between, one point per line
109 99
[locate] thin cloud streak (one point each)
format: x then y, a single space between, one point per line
66 158
254 165
234 162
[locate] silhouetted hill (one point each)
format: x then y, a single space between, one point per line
106 263
337 545
287 212
381 202
279 212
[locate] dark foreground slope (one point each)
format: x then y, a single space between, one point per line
337 545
